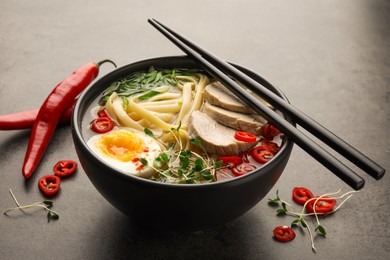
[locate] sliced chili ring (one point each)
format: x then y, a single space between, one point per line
49 185
102 113
243 168
301 195
284 233
262 154
245 136
322 205
272 146
269 131
65 168
245 156
102 125
230 160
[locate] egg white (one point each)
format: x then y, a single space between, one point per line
130 167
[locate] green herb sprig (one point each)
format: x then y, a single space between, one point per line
45 204
178 165
286 208
141 82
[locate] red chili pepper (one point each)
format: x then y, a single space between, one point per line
26 119
245 156
51 110
301 195
65 168
140 167
102 113
102 125
230 160
272 146
269 131
284 233
49 185
245 136
323 205
243 168
262 154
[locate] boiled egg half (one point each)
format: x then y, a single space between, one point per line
122 149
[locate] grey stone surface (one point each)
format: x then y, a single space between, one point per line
331 58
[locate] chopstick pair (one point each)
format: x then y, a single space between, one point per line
224 72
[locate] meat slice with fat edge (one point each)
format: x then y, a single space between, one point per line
216 138
251 123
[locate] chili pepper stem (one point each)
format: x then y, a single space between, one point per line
105 61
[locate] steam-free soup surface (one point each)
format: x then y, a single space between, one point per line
171 126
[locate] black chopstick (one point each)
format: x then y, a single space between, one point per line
316 151
323 134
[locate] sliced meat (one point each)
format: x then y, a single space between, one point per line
216 138
218 95
245 122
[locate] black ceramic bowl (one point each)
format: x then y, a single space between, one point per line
173 206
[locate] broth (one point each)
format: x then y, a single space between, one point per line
157 134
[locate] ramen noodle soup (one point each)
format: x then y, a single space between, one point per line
178 126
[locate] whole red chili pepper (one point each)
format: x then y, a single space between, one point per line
26 119
49 185
65 168
51 110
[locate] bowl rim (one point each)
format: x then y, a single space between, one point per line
78 115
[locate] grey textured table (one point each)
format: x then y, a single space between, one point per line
331 58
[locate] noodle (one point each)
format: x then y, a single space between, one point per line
122 116
164 111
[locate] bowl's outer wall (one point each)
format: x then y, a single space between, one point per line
167 206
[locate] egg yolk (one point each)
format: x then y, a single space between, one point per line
121 145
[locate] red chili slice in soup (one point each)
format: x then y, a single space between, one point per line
272 146
243 168
230 160
269 131
262 154
245 136
102 125
102 113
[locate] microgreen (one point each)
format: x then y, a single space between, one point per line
149 94
146 81
125 103
179 165
143 161
285 208
149 132
46 204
